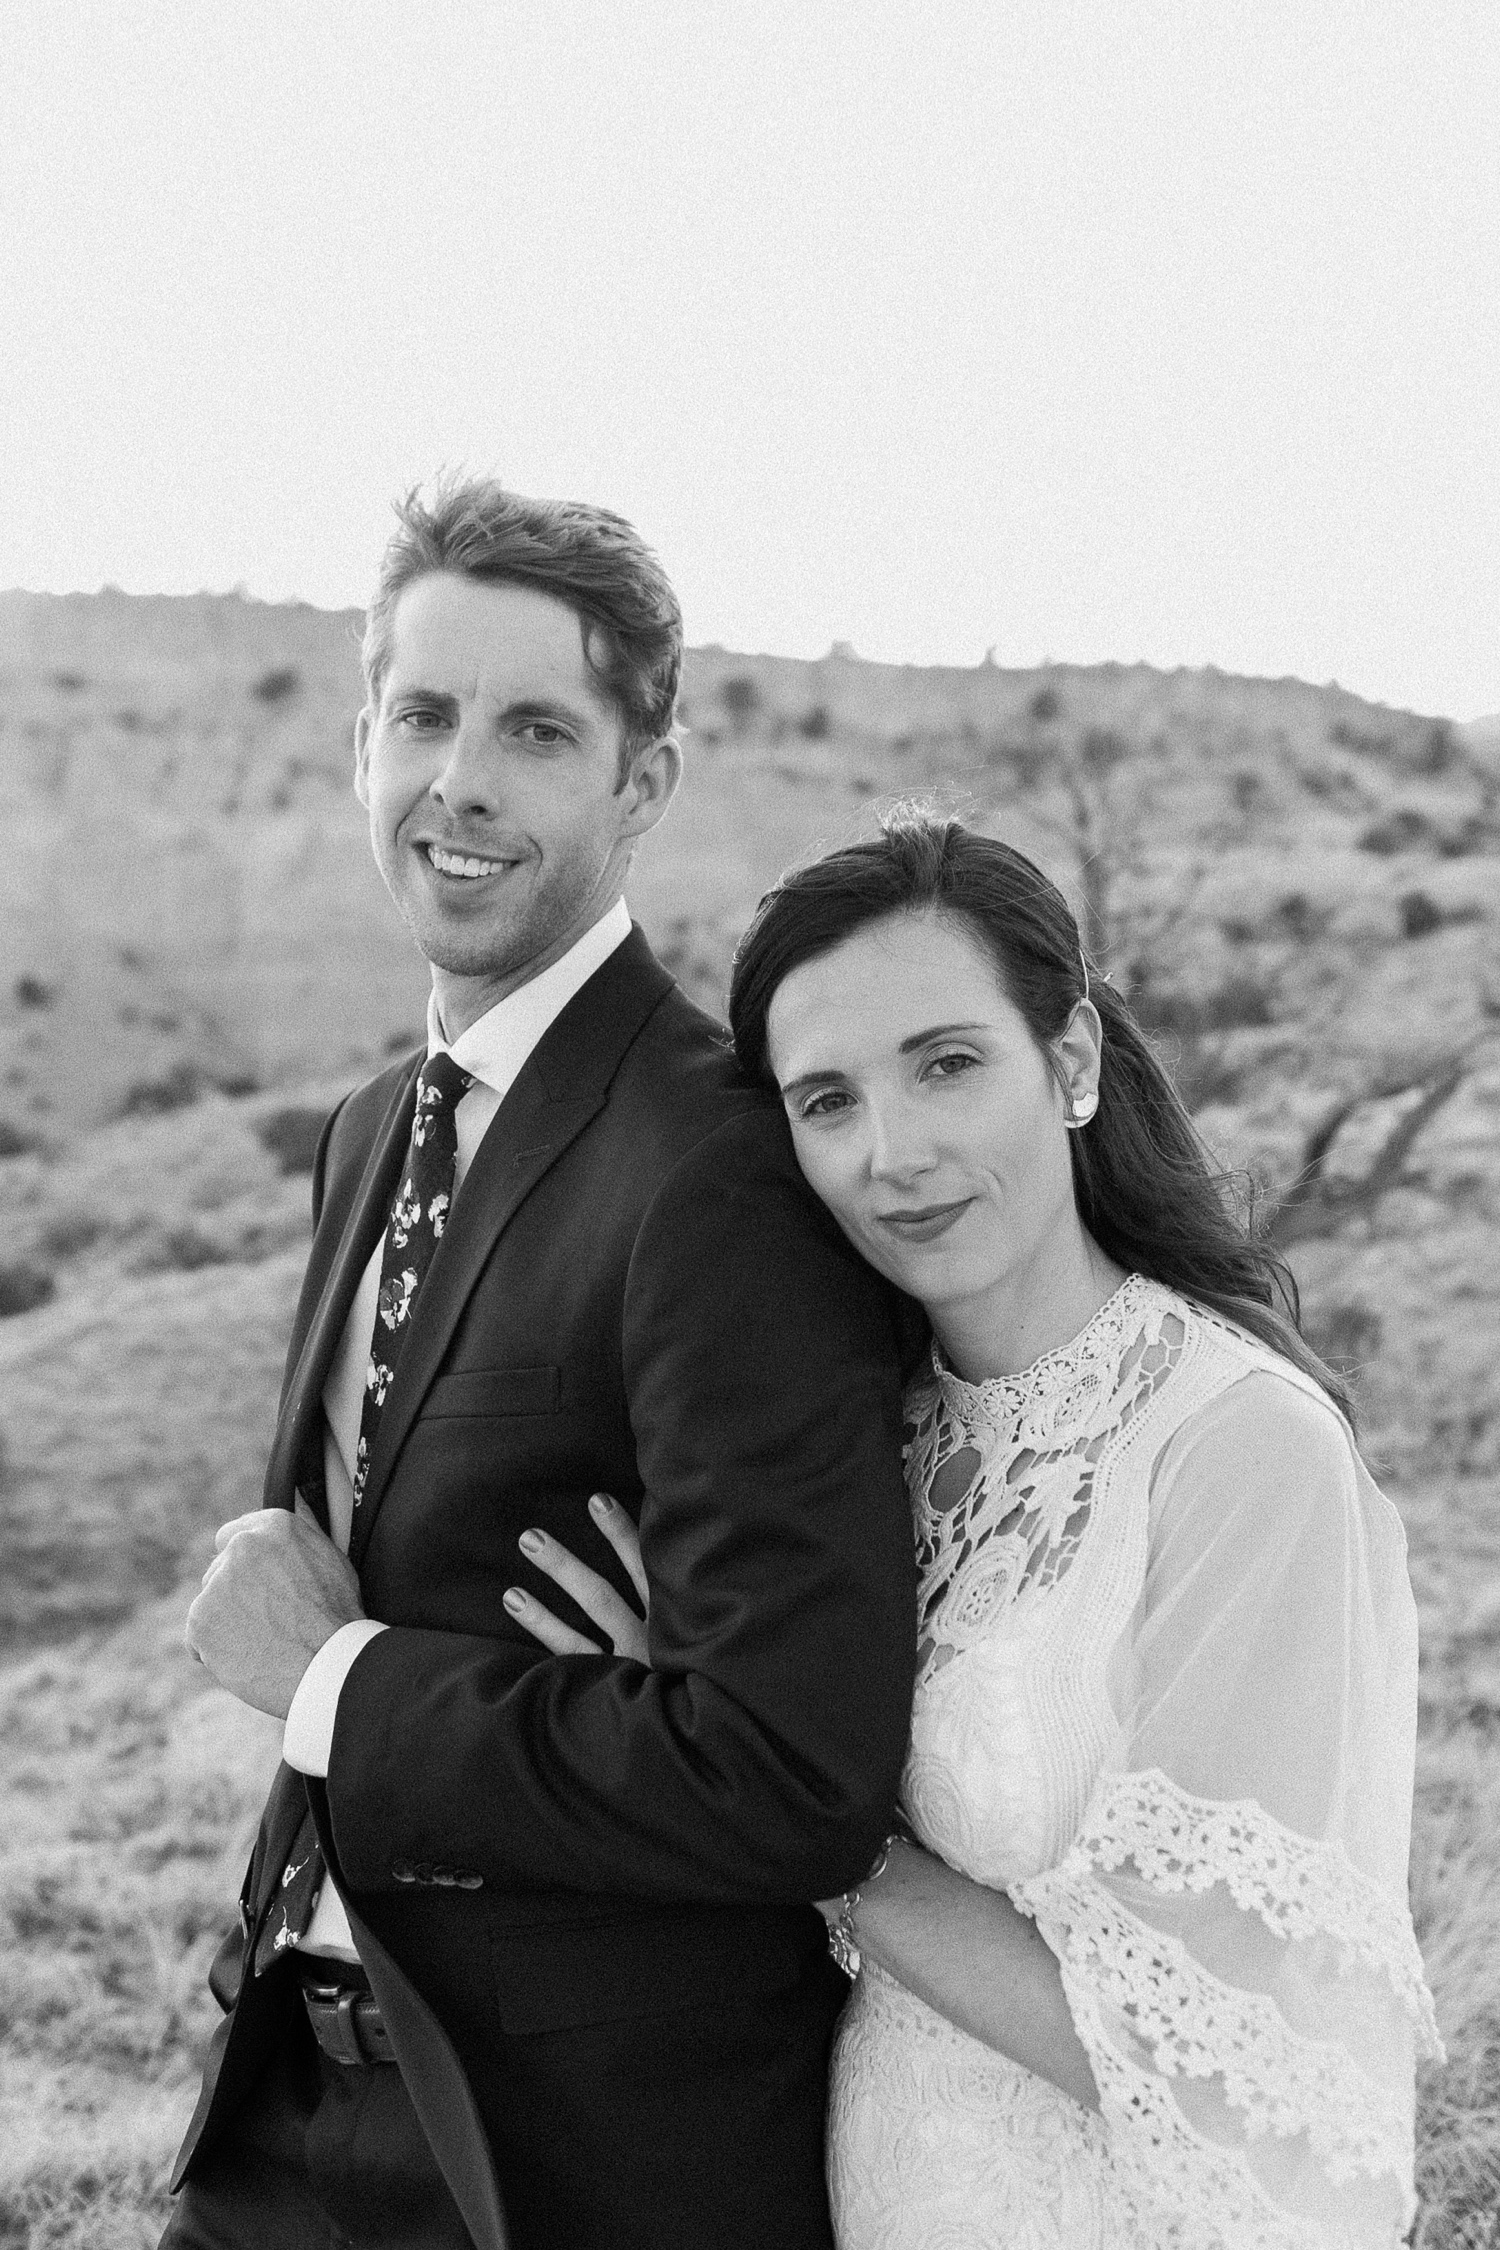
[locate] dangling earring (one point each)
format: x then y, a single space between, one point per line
1080 1110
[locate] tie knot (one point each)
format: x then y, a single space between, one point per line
442 1083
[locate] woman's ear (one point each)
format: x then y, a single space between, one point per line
1078 1048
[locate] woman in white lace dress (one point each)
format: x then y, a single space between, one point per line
1140 1970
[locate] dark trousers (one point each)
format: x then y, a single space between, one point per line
324 2156
697 2129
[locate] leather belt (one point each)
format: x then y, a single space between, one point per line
347 2023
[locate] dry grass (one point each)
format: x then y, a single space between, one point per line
127 1808
136 1406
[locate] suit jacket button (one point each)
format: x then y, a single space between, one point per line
402 1871
467 1880
423 1871
444 1876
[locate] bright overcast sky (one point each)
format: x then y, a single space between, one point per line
1080 328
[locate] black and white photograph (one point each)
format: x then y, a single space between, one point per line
750 1126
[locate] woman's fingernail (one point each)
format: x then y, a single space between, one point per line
530 1542
514 1599
601 1504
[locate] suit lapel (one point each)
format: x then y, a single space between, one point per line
346 1242
564 1083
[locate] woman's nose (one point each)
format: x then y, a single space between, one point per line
899 1150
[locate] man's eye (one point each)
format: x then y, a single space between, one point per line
545 737
418 720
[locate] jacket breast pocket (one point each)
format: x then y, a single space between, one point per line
486 1391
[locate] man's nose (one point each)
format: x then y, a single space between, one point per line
467 782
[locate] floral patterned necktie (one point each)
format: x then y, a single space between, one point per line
413 1232
418 1217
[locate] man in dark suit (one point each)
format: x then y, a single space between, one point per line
525 1955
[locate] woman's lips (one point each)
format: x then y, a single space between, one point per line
923 1223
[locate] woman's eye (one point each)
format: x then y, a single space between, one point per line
827 1104
950 1066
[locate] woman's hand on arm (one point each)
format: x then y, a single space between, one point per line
974 1958
625 1631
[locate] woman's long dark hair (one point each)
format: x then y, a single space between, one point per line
1147 1188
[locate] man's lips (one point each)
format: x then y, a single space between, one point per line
465 866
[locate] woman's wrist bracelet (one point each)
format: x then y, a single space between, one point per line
841 1942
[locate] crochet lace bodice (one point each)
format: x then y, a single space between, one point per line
1166 1699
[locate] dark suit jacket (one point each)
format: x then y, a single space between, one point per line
580 1887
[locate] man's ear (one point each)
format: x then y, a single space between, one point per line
651 784
362 727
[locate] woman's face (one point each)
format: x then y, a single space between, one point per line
924 1113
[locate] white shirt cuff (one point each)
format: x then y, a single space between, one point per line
307 1742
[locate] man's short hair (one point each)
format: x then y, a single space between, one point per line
594 561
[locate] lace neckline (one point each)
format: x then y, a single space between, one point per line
1071 1370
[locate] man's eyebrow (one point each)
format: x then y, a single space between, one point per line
412 691
533 707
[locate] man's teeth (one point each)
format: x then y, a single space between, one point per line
448 863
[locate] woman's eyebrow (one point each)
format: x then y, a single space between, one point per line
808 1078
936 1031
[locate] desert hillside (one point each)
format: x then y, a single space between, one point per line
1300 890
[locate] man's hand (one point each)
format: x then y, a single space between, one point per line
276 1590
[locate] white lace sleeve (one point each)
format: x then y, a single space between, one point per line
1231 1919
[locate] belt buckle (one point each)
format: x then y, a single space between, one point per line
338 2022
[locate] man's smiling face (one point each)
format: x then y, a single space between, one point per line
490 768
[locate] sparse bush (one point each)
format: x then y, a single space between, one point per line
182 1250
72 1234
277 685
1300 919
69 682
1371 742
1440 749
740 697
815 724
32 992
291 1136
1240 1002
1346 1335
22 1288
183 1085
1403 829
1420 915
1202 1074
16 1140
1045 705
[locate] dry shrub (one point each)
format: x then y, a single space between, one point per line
1456 1905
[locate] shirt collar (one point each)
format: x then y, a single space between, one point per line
494 1048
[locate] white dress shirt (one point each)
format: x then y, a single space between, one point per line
493 1051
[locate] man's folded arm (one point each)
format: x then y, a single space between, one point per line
759 1758
307 1738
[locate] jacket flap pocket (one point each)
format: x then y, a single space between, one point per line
496 1390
